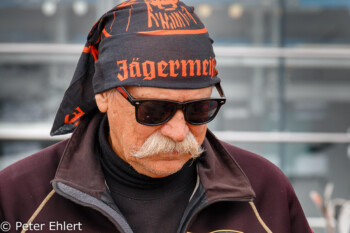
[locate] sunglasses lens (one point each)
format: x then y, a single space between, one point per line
201 112
155 112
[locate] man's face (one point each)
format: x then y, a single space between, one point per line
127 135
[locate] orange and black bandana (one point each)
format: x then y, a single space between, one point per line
156 43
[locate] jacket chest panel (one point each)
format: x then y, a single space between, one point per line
226 217
60 215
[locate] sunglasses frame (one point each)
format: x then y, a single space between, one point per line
179 105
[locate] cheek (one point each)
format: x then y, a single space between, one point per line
137 134
125 129
198 132
119 119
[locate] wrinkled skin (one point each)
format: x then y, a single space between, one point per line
126 133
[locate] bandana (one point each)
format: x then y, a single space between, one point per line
155 43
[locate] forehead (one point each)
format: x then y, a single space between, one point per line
169 94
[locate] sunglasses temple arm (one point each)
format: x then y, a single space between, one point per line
124 93
220 90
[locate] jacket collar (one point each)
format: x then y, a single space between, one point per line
220 174
80 165
80 168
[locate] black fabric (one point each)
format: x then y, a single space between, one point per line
158 43
149 204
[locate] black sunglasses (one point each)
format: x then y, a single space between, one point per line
156 112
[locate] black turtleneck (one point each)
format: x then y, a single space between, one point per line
149 204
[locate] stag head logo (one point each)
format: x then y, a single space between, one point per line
167 5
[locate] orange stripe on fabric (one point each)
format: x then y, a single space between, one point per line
94 53
110 28
106 33
86 49
127 27
92 50
175 32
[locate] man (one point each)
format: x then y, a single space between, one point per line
141 158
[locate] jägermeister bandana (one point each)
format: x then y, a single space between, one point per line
156 43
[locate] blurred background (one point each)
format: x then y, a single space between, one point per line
285 66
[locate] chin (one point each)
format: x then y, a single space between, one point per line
163 168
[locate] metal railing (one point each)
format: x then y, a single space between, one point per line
28 132
222 51
45 50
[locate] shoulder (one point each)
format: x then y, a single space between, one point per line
26 182
275 196
250 161
263 174
43 161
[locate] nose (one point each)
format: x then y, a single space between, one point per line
176 128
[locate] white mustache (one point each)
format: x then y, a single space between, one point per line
157 143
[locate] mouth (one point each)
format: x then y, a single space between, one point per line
170 156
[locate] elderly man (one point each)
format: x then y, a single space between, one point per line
141 158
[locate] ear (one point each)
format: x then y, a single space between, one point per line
102 101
